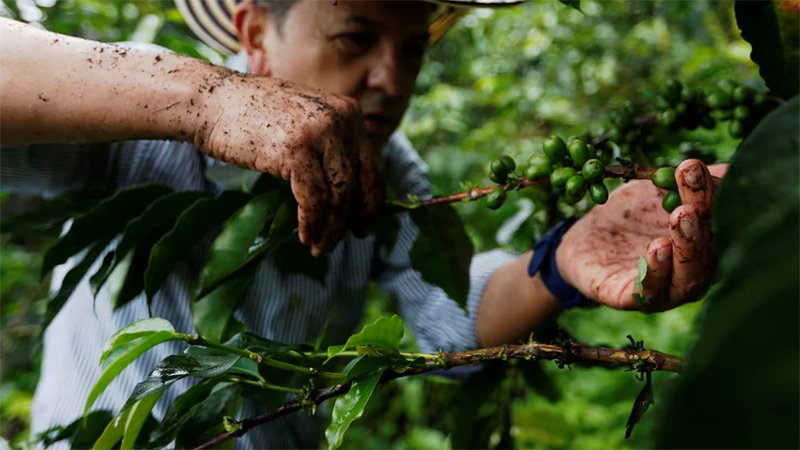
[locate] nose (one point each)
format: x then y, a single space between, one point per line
390 74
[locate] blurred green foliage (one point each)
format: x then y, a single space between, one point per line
499 83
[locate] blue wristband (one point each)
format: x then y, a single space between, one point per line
544 262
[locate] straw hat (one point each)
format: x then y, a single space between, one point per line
212 20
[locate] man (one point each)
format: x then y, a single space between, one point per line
328 85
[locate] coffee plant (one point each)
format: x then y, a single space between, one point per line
748 347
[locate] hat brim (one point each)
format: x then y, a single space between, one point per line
212 20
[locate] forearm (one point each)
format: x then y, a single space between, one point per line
513 304
57 88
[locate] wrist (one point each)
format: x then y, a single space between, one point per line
545 265
200 93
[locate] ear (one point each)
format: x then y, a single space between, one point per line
251 23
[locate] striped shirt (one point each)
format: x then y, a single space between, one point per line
290 308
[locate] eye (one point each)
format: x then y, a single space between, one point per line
356 43
415 50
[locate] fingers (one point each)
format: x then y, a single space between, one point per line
659 271
690 230
340 162
695 185
369 177
693 262
310 189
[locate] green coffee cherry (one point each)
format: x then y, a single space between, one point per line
498 178
719 100
689 95
508 162
496 198
665 179
671 201
498 167
727 86
720 114
593 170
741 95
760 100
708 122
576 186
539 166
555 148
579 152
604 155
741 112
667 118
662 103
736 128
560 176
571 199
501 167
598 192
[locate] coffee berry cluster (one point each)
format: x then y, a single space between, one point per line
573 170
686 107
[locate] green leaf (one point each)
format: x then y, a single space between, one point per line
266 347
751 404
210 362
102 222
288 254
126 425
350 407
572 3
82 432
364 365
750 183
233 247
212 315
248 368
194 223
177 414
54 212
135 330
384 334
773 35
442 252
137 416
539 380
195 361
640 406
639 281
204 416
156 220
71 280
467 416
116 360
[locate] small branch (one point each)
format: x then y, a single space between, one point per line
633 172
310 371
643 360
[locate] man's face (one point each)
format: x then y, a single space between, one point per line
371 51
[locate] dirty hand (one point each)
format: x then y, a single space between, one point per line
599 254
313 139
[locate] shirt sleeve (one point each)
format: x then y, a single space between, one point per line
437 321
